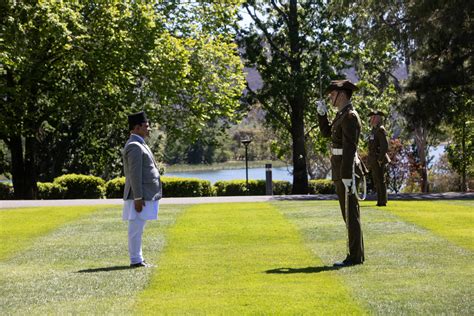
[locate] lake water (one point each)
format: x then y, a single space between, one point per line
281 173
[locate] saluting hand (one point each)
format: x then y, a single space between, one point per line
322 108
139 204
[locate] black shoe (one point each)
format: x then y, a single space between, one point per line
142 264
346 263
381 204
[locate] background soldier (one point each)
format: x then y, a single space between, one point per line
378 158
344 132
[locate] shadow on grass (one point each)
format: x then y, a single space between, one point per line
106 269
302 270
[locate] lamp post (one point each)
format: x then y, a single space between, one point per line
246 143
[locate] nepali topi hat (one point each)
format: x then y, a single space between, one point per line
136 119
341 85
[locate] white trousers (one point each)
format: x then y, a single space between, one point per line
135 233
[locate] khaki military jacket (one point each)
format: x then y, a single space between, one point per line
378 146
344 132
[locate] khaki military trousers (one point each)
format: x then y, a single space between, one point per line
378 176
356 240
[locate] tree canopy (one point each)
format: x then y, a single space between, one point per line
72 71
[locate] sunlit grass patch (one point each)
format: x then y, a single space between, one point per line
19 227
453 221
241 258
408 270
81 267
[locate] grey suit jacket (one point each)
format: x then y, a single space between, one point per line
142 178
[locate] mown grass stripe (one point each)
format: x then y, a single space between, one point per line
20 227
408 269
455 222
241 259
81 267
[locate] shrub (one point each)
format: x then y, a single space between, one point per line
172 187
235 187
6 191
114 188
256 187
281 187
186 187
321 186
79 186
50 191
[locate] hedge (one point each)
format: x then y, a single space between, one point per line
6 191
76 186
281 187
172 187
50 191
321 186
182 187
79 186
114 188
256 187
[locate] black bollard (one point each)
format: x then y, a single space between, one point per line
268 179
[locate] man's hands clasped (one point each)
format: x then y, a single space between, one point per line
139 204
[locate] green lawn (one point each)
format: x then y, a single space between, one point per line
248 258
412 266
233 259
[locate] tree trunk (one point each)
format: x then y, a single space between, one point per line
421 147
23 168
297 104
300 172
464 161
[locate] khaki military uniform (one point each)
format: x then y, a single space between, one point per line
378 160
344 132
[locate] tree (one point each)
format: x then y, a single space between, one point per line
460 150
68 72
397 170
430 40
446 72
72 71
290 44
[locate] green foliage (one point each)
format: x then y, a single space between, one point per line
114 188
186 187
297 48
460 149
71 71
50 191
321 186
172 187
428 37
6 191
256 187
281 187
79 186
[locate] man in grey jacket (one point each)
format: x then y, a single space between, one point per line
142 186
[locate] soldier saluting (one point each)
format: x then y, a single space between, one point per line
344 132
378 158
